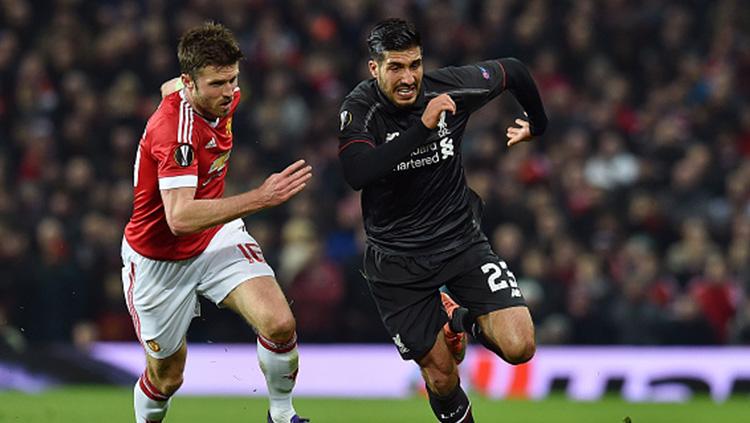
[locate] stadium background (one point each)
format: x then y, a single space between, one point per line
628 222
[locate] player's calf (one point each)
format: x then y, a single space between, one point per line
166 374
448 400
439 370
154 389
150 404
168 384
279 363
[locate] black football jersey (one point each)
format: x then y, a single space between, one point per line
423 205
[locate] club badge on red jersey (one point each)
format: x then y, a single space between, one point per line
153 345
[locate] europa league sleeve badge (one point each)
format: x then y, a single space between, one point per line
184 155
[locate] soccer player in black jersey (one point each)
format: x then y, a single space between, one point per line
400 143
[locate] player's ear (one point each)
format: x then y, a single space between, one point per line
373 65
187 81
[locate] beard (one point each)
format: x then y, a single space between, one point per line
402 95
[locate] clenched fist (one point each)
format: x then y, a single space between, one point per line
435 107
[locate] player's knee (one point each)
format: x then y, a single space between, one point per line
171 385
520 350
281 329
168 383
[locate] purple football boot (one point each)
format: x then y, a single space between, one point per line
295 419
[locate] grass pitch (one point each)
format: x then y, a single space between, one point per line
114 405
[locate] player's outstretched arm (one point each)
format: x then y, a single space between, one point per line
364 164
187 215
519 82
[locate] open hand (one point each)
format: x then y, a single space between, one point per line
521 133
280 187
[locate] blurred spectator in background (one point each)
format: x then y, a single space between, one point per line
632 212
716 294
316 285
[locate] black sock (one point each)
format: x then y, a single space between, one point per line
452 408
460 320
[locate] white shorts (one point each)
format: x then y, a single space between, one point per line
162 296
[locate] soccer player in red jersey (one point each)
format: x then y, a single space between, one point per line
185 239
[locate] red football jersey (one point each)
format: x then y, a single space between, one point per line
179 148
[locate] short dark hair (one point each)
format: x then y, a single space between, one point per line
392 34
210 44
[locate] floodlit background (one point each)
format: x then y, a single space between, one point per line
628 222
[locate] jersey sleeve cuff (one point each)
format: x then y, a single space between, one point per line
182 181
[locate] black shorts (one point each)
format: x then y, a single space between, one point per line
406 291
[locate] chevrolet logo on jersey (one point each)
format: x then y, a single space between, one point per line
184 155
220 162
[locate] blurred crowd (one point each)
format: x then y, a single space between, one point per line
628 222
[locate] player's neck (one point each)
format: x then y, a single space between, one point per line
198 109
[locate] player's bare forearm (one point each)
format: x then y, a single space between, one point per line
187 215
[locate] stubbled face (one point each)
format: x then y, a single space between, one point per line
399 75
212 91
